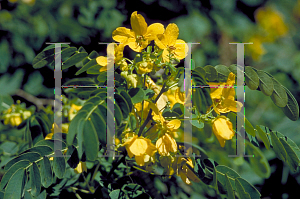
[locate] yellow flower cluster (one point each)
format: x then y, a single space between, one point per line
273 27
15 117
138 38
223 96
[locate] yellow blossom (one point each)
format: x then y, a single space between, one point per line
141 34
115 51
176 96
170 44
13 119
139 147
256 49
223 94
222 129
186 174
55 128
144 67
80 167
72 112
272 22
132 79
166 144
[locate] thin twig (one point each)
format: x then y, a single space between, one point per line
36 101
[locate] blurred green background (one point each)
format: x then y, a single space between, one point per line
272 26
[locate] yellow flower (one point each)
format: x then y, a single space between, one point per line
225 97
170 44
72 112
139 147
166 144
13 119
113 50
144 67
222 129
272 22
176 96
256 49
55 128
80 167
186 174
132 80
141 34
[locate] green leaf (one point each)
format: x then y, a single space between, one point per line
229 189
211 73
35 179
15 185
201 71
122 104
249 128
90 141
279 95
102 77
250 189
291 110
66 53
263 137
292 158
223 73
197 123
59 164
35 130
149 94
258 163
43 58
88 65
240 190
115 194
127 97
73 159
72 131
233 69
7 176
93 54
137 95
100 126
199 168
80 82
278 147
231 174
265 83
118 115
78 57
46 172
30 156
95 70
251 78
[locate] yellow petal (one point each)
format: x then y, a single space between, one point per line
166 144
138 23
102 61
80 167
140 160
153 30
171 34
160 41
122 34
222 129
138 147
231 79
134 46
181 49
174 124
